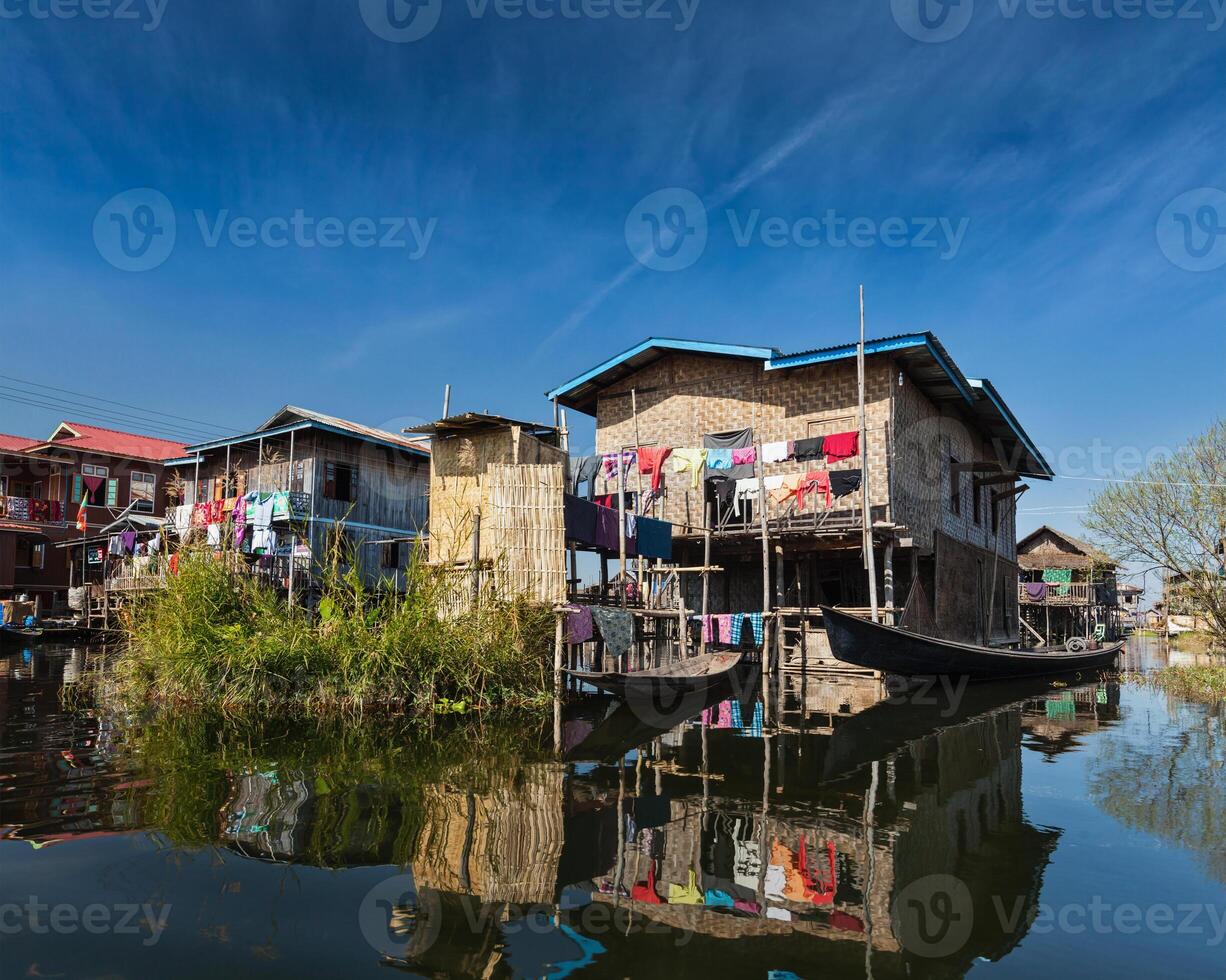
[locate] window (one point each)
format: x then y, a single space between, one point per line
142 491
92 487
390 554
297 477
955 487
340 482
29 555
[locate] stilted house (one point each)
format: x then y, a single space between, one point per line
496 516
313 486
55 491
766 470
1067 587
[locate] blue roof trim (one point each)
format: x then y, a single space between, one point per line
295 427
664 343
873 347
984 385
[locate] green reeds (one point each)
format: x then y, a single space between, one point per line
220 638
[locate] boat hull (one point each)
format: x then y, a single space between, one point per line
896 651
694 674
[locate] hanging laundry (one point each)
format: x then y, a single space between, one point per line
1036 590
627 459
842 445
815 482
114 545
719 459
631 534
239 518
128 539
777 452
280 506
651 462
788 485
735 629
843 482
616 628
741 439
725 628
692 460
746 490
174 564
155 544
183 520
645 891
583 469
709 628
817 889
685 894
717 899
578 624
724 490
755 624
655 539
579 519
809 448
214 536
744 457
607 534
606 500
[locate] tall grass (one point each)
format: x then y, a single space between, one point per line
219 638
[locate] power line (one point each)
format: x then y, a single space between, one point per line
98 419
195 424
1143 483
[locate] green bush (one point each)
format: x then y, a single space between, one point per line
215 637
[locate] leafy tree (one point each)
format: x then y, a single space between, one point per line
1173 516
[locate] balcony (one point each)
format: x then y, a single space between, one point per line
1078 594
31 511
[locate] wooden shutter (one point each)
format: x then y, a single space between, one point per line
330 480
112 492
76 488
353 484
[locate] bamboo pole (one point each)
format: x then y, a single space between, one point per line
706 578
684 644
621 525
866 517
760 465
638 474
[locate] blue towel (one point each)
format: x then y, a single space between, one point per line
718 899
719 459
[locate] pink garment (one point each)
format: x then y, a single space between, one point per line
725 715
725 628
708 629
747 455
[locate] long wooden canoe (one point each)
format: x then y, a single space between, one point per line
897 651
692 674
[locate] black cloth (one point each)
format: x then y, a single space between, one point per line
741 439
579 516
583 469
724 489
809 448
843 482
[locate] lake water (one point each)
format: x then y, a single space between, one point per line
1011 831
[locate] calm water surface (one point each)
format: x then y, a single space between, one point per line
1017 831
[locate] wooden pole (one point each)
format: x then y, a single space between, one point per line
888 572
289 482
621 525
706 575
684 635
638 474
476 559
766 567
866 517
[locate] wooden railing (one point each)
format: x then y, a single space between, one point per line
1077 594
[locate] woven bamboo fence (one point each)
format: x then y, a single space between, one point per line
528 531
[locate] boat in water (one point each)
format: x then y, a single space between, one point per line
897 651
692 674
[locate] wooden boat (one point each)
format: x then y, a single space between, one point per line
897 651
19 634
693 674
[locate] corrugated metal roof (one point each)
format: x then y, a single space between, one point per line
111 442
291 417
470 421
16 443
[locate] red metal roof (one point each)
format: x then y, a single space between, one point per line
95 439
16 444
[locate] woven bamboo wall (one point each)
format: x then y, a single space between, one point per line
528 533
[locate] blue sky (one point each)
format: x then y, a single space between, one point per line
517 148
